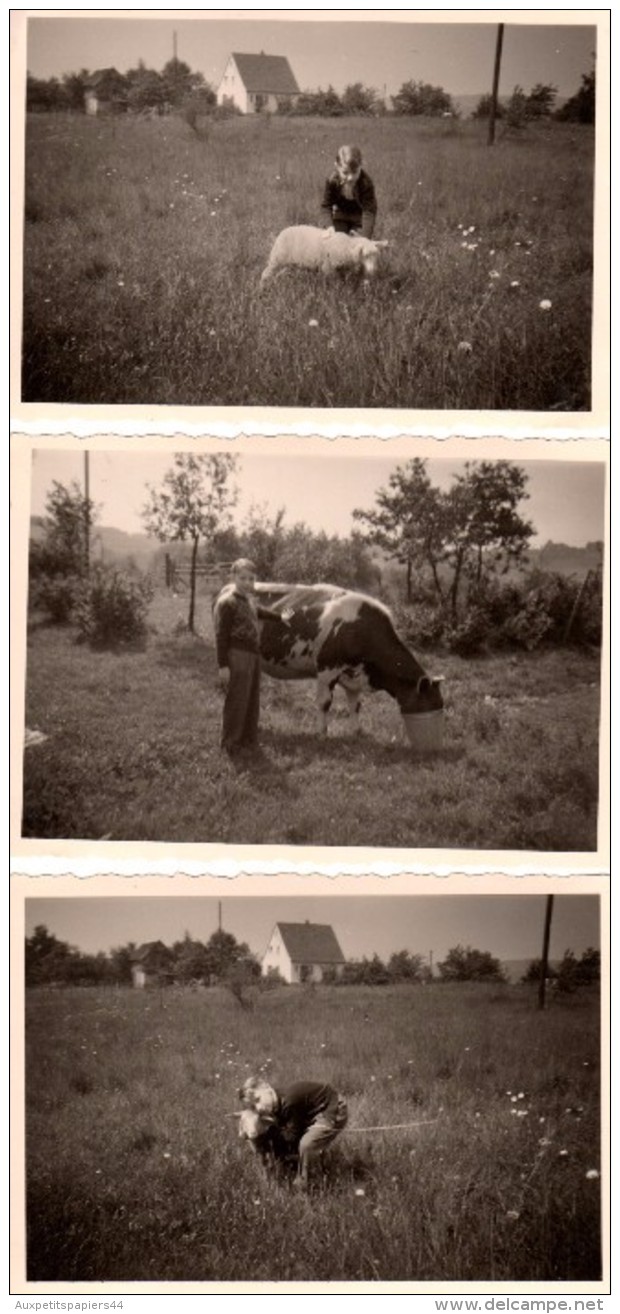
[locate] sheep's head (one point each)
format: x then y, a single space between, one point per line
369 255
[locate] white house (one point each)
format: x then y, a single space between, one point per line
301 951
257 82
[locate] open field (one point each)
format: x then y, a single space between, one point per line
144 244
135 1173
133 752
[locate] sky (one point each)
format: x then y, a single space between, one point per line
457 56
509 926
566 501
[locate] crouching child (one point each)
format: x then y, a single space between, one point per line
304 1118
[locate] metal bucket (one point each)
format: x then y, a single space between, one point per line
425 730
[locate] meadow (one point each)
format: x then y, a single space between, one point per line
135 1172
144 243
133 751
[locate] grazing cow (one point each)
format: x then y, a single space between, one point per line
338 636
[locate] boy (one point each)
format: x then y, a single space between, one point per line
349 201
238 657
307 1115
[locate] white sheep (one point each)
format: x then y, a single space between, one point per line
322 249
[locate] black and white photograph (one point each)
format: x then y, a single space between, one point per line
304 213
336 645
401 1088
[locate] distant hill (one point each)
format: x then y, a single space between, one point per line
111 544
515 968
467 102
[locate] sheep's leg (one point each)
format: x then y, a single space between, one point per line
270 272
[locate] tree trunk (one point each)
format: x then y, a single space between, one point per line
436 579
454 591
409 581
544 962
192 586
479 567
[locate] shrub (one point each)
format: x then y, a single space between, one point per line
423 624
471 634
56 595
112 607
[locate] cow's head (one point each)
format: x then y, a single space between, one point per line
422 696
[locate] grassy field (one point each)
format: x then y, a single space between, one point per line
135 1172
144 244
133 752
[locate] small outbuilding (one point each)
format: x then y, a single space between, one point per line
106 92
257 83
302 952
151 964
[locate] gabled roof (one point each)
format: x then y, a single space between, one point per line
106 79
266 73
308 942
154 952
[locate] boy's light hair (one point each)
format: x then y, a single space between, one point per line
243 563
258 1095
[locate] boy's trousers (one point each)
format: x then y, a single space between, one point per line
320 1134
242 702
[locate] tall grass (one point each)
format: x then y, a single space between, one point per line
144 244
133 752
135 1172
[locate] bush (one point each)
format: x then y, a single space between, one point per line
422 624
471 634
56 595
112 607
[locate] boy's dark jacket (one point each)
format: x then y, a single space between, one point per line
237 625
360 212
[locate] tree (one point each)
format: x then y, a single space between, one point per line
146 88
580 108
224 952
421 98
63 549
404 966
193 504
74 85
482 526
191 960
46 958
408 521
483 109
178 81
516 109
358 99
539 103
531 975
469 964
121 960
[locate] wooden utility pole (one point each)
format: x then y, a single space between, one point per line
496 68
174 46
544 962
86 512
219 914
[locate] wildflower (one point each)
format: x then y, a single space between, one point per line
515 282
256 1202
544 1140
323 1044
359 1190
467 1049
546 304
472 246
277 177
520 1096
592 1175
517 243
465 245
121 282
513 1214
509 1092
313 323
563 1154
213 214
513 1099
465 347
212 332
166 1155
494 273
373 1078
492 251
542 1118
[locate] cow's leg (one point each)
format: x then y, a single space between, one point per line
324 695
354 703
